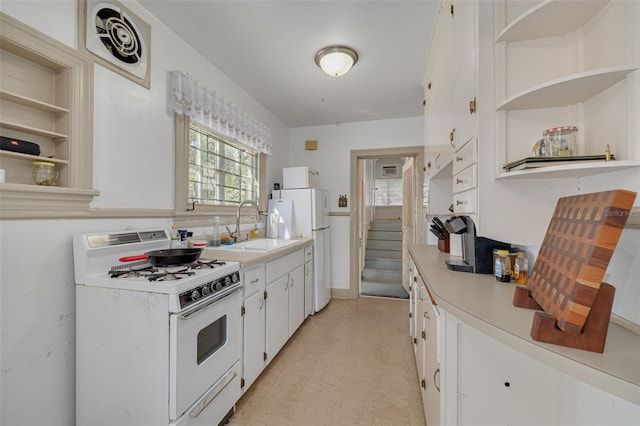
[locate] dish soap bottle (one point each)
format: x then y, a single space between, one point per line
215 235
254 232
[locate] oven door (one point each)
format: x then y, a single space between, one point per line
204 344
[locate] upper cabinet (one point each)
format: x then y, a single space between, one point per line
567 63
450 108
45 99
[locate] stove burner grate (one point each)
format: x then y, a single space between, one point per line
170 275
206 264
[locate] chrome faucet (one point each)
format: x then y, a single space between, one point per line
259 215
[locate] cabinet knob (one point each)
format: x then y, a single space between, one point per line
426 315
452 136
458 159
424 335
423 383
459 181
459 203
436 373
472 106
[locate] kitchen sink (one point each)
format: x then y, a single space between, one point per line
263 245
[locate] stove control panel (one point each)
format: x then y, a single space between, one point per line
209 289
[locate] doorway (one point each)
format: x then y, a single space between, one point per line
380 228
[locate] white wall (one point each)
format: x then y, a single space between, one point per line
332 161
133 168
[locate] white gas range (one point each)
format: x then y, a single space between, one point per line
156 344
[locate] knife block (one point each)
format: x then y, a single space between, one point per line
443 245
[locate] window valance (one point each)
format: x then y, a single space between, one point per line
193 99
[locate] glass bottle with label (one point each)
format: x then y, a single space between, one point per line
521 268
502 268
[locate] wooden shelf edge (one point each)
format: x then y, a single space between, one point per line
550 14
591 82
34 130
19 201
33 103
570 171
28 157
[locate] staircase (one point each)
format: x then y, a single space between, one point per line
382 273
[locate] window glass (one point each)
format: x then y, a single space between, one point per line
388 192
220 173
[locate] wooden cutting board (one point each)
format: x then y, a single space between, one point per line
575 253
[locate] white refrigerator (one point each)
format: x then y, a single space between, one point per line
310 219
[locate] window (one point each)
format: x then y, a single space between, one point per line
388 192
220 173
213 173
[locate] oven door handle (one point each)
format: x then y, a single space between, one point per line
210 396
200 308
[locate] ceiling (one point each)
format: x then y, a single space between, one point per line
268 49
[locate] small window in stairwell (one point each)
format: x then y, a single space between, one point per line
388 192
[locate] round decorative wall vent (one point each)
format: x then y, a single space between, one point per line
118 35
118 38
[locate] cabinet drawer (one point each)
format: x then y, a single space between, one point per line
465 202
253 280
466 156
308 253
283 265
466 179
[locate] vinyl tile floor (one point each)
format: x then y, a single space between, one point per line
350 364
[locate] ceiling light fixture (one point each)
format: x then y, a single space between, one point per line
336 60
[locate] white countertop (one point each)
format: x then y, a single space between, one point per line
249 258
487 305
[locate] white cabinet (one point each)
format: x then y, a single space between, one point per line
431 389
254 325
285 300
425 335
274 308
254 340
308 281
296 299
499 385
450 108
277 316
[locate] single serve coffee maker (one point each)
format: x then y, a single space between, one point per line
477 252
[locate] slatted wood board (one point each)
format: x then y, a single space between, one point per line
582 235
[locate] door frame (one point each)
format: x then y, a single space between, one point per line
417 152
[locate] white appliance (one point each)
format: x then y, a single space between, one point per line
311 220
299 177
154 344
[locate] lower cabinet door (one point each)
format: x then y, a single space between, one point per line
498 385
254 337
277 316
296 299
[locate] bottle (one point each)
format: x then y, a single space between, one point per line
521 268
502 268
215 236
254 232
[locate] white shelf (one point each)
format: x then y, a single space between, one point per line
551 18
27 157
445 172
32 103
34 130
570 170
567 90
